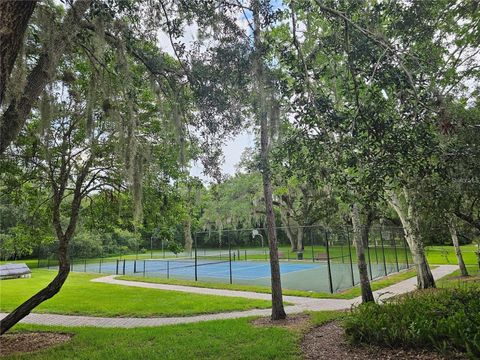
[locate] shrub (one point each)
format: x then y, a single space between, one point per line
447 320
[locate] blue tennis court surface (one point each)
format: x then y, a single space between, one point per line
246 270
309 276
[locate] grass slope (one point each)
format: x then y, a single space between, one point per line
80 296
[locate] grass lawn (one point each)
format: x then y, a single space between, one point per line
454 279
347 294
225 339
81 296
446 254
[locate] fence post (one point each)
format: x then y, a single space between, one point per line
383 253
168 269
116 269
395 250
368 252
100 267
328 263
123 266
85 265
311 243
350 256
195 241
375 245
405 248
230 257
144 265
341 251
134 266
151 246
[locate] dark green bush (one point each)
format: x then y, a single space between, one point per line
447 320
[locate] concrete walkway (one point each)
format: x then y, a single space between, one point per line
300 304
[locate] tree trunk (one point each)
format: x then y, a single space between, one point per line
358 239
46 293
187 233
288 230
458 252
64 237
411 228
64 264
14 117
300 232
14 17
278 312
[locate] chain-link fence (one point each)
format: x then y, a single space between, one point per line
311 258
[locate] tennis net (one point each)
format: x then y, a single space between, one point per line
160 265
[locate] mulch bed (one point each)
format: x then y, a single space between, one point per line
328 342
26 342
292 322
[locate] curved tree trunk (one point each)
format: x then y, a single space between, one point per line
59 184
409 219
358 239
14 17
64 238
46 293
458 252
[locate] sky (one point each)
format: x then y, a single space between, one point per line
232 151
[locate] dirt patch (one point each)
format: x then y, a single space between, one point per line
26 342
328 342
293 322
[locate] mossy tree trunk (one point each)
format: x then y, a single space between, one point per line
14 17
17 111
407 213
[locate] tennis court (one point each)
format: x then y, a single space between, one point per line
317 277
327 262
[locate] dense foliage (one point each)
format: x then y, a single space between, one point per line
447 320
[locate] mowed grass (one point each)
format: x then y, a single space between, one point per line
347 294
446 254
455 279
81 296
224 339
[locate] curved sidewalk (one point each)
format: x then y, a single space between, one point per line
300 304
